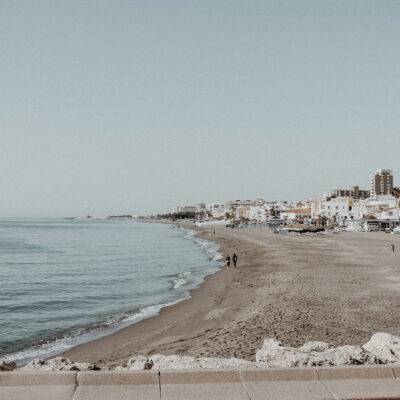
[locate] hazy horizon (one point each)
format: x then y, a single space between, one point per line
135 107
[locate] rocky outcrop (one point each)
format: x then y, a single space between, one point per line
159 361
311 354
58 364
7 365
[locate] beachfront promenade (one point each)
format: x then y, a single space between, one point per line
378 382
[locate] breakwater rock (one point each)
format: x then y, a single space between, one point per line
382 348
159 361
312 354
7 365
385 347
59 364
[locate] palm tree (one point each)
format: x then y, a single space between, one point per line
396 192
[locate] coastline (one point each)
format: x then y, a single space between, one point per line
87 351
187 259
336 288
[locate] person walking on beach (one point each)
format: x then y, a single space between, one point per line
393 248
228 260
234 259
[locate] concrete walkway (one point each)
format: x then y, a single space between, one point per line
380 382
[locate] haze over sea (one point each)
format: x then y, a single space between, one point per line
65 282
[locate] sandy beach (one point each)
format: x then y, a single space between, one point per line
339 288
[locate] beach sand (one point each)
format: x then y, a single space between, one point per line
339 288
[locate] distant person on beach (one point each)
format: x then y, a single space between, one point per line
393 248
228 260
234 259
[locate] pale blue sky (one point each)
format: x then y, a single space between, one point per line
135 106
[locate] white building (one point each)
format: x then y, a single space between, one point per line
337 208
373 205
217 210
257 213
297 215
185 209
391 214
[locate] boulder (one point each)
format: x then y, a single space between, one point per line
385 347
159 361
228 363
6 365
315 346
58 364
348 355
133 364
311 354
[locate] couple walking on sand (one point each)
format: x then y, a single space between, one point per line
234 259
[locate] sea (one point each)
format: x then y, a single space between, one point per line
67 282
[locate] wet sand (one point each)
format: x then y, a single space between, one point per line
339 288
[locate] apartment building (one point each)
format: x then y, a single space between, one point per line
233 204
337 208
381 183
354 192
185 209
216 210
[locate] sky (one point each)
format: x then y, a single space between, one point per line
114 107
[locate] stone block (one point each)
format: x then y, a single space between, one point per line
118 378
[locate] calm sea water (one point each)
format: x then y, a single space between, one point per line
65 282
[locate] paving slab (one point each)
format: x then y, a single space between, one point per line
279 374
396 370
14 378
118 385
37 385
202 384
37 392
371 389
117 392
359 372
292 390
204 391
199 376
89 378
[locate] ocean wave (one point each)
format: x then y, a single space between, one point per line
211 248
84 335
180 279
65 340
179 282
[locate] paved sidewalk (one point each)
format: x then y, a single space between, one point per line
378 382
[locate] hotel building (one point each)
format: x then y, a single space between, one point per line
381 182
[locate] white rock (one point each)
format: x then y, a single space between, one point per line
272 354
315 346
348 355
7 365
173 362
133 364
385 347
231 363
58 364
159 361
